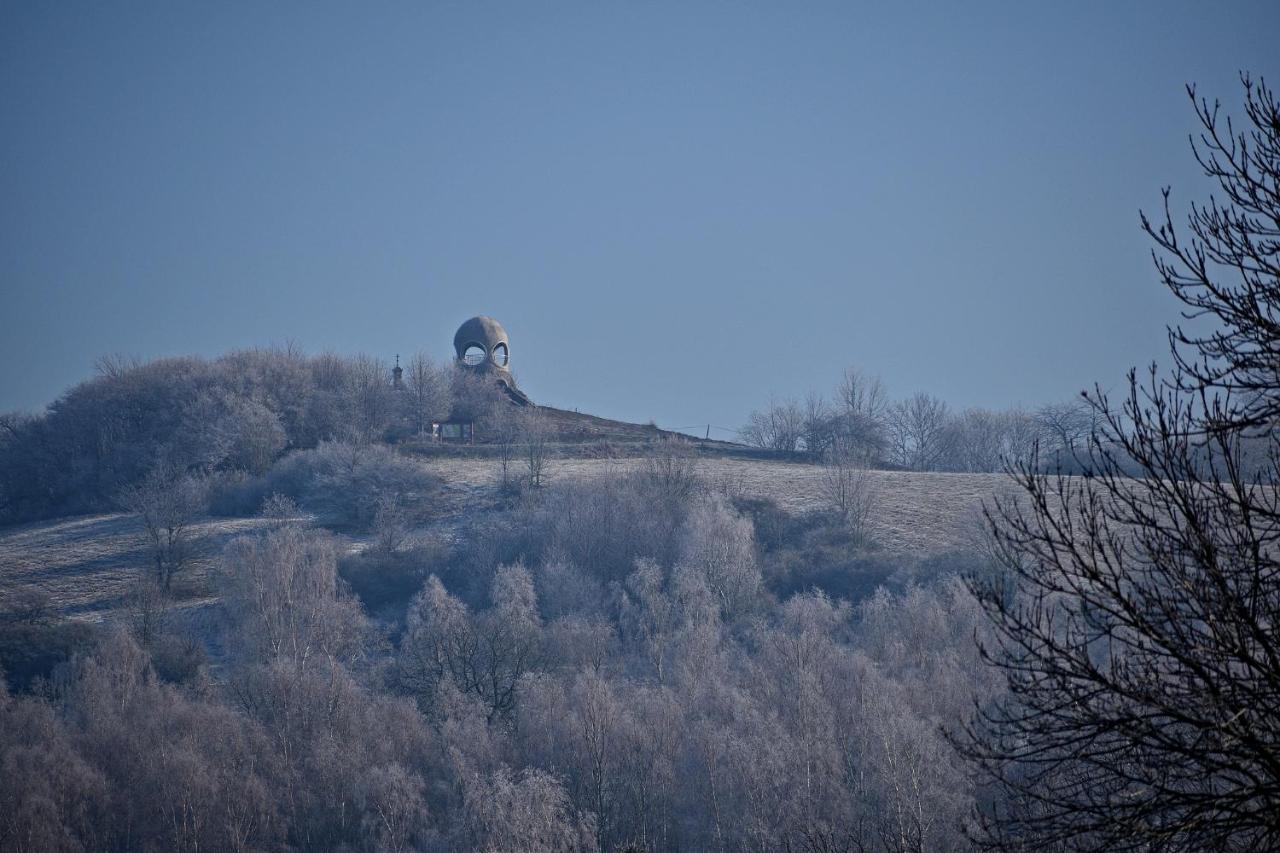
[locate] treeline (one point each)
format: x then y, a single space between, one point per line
920 433
644 662
235 415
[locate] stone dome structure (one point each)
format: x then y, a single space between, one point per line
482 343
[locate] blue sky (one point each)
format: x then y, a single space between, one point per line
678 210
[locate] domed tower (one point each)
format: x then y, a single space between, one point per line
482 345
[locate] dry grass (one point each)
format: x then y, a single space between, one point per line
87 564
914 513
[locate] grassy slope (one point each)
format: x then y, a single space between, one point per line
86 563
920 514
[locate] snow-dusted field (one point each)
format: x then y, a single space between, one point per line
86 563
915 513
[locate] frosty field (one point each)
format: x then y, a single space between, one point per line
85 563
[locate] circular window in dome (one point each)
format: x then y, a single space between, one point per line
500 355
473 355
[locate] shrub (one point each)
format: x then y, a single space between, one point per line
774 526
386 581
820 551
32 650
341 482
178 659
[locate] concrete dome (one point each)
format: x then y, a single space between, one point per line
483 334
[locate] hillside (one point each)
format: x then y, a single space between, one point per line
579 433
917 513
85 563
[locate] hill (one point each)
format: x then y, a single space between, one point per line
85 563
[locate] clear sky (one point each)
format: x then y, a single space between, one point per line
678 210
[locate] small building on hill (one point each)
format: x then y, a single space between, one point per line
454 432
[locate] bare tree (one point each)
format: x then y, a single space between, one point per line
280 509
848 488
221 429
1227 268
20 474
528 814
860 417
11 425
116 365
1065 428
285 601
819 425
429 392
484 655
650 614
535 444
390 524
167 501
780 426
919 432
145 609
505 436
669 471
719 545
983 441
1134 627
863 395
395 809
369 396
1135 624
29 605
